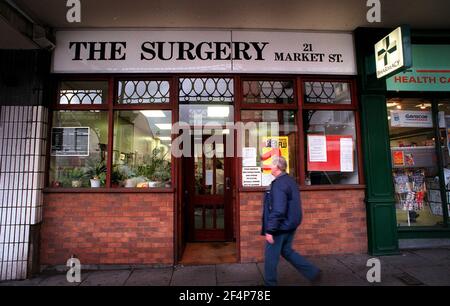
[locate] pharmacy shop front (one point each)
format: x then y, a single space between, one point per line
405 116
160 144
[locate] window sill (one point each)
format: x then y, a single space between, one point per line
109 190
309 188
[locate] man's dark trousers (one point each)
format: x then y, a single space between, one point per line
283 247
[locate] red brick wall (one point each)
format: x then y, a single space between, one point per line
334 222
102 228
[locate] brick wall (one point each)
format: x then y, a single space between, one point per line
102 228
334 222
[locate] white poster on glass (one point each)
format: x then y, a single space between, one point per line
209 178
347 155
317 148
251 177
406 118
248 157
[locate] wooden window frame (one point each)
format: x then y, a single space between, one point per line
354 107
111 106
298 107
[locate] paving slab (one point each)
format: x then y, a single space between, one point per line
432 276
243 284
435 256
107 278
194 276
288 275
407 259
60 280
150 277
25 283
358 265
235 273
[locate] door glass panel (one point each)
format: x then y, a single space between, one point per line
220 176
209 217
414 162
444 129
220 218
198 218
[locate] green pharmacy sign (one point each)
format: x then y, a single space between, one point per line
430 72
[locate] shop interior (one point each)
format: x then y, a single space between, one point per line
416 171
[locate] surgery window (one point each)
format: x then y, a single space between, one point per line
327 92
330 147
267 133
143 92
78 153
83 92
268 92
141 154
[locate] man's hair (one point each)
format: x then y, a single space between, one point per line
280 162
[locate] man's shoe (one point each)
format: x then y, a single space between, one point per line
317 279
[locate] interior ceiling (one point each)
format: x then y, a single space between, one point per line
268 14
343 15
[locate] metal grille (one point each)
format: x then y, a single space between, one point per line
22 160
143 92
77 97
206 90
327 92
275 92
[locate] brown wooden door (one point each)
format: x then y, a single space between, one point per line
209 192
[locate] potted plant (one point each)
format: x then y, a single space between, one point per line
127 177
76 176
71 177
96 172
117 176
156 169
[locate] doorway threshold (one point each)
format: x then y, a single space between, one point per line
209 253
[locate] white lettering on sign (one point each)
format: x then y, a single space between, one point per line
201 51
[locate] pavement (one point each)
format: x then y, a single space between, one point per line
418 267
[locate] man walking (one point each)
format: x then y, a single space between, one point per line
281 218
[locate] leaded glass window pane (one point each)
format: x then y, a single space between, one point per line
83 92
269 92
206 90
143 92
327 92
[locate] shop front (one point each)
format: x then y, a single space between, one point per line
413 109
160 144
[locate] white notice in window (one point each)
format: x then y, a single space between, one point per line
346 155
209 177
317 147
251 177
248 157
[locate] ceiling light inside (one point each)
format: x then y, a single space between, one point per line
153 114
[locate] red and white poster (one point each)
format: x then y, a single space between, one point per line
338 152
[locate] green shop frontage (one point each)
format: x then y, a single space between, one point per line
405 119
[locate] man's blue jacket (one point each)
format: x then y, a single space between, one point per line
282 206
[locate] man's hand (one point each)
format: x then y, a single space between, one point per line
269 239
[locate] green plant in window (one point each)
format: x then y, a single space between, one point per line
157 168
96 172
123 174
72 177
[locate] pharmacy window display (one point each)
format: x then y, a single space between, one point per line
416 171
